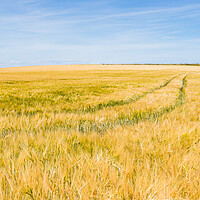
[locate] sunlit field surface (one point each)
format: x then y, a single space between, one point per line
100 132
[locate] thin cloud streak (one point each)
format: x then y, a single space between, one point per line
45 14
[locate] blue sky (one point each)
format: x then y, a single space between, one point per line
34 32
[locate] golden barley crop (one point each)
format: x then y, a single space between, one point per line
100 132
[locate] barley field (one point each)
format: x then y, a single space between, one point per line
100 132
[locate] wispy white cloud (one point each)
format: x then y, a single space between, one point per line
70 16
194 40
172 10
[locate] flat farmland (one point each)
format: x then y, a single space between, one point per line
100 132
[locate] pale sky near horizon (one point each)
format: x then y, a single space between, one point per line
39 32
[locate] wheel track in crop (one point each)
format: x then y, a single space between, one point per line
113 103
133 118
109 104
86 126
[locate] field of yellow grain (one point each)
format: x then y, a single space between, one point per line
100 132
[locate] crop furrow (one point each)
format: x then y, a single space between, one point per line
132 118
114 103
85 125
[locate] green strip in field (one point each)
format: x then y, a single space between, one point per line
133 118
113 103
23 98
93 125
